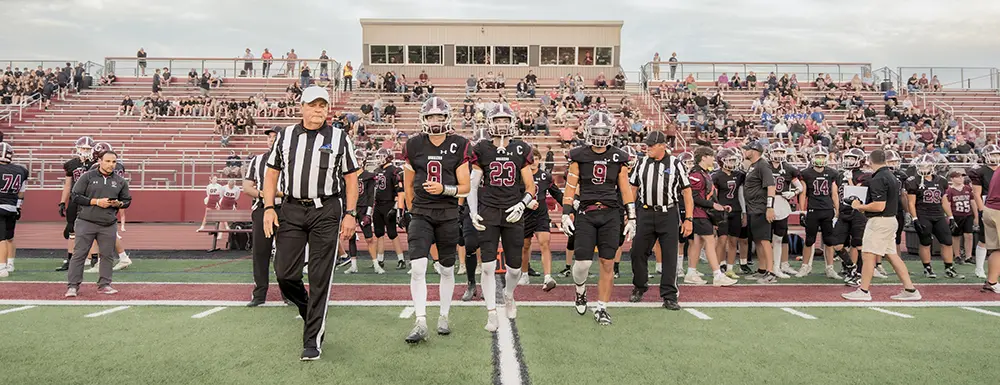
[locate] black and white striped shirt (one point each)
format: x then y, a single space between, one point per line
255 173
308 172
660 182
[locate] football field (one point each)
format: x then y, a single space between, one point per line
182 322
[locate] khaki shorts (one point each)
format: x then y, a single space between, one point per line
991 228
880 236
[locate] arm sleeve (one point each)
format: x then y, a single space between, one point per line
743 201
555 192
473 198
125 196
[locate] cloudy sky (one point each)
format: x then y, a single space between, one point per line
893 33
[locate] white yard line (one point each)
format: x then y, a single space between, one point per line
407 312
2 312
798 313
105 312
209 312
510 367
567 304
987 312
698 314
890 312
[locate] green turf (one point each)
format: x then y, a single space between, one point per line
239 270
146 345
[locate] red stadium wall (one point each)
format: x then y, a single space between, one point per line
147 206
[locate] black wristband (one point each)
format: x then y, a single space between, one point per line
268 208
568 209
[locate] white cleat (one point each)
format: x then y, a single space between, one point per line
510 306
4 273
857 295
94 269
804 270
379 269
10 267
991 288
122 264
832 273
351 270
781 274
880 272
723 281
437 267
694 279
461 270
549 284
980 274
524 280
787 269
492 321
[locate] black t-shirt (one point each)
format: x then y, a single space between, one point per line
438 164
502 186
14 176
759 177
598 178
851 178
366 189
387 185
783 176
819 187
728 186
981 176
928 194
884 186
75 168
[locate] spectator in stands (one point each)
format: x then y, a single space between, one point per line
157 82
141 60
348 76
736 82
752 81
377 107
166 77
620 80
601 82
293 91
531 78
324 64
108 79
148 111
126 107
491 82
566 135
389 82
656 66
305 75
205 83
855 121
690 83
216 79
192 77
817 115
470 84
911 83
292 58
723 82
935 84
501 81
390 113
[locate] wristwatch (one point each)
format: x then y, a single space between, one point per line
353 213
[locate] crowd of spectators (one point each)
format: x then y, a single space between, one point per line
22 86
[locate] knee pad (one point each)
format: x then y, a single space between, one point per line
581 269
447 260
418 270
489 268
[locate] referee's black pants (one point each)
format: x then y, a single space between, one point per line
651 226
320 227
262 252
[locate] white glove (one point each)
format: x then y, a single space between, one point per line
629 230
788 195
567 225
476 219
834 221
515 212
533 205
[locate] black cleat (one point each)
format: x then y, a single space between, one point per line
470 293
637 294
581 303
381 264
400 264
64 267
533 273
310 354
566 272
602 317
255 302
671 304
343 262
419 333
745 270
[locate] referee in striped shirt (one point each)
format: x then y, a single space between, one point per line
253 183
661 182
311 156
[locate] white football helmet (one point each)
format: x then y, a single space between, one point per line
599 130
84 147
852 159
435 106
500 128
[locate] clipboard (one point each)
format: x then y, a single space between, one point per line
860 192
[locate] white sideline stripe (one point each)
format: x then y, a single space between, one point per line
698 314
407 312
987 312
2 312
798 313
890 312
566 304
434 284
209 312
510 368
105 312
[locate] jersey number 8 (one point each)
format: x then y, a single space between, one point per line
434 171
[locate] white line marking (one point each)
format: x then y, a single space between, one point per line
566 304
407 312
2 312
798 313
510 368
890 312
987 312
209 312
104 312
698 314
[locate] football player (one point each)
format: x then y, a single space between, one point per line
497 205
703 192
389 205
821 204
966 213
850 227
931 212
436 174
598 171
728 181
75 167
124 261
11 198
683 242
980 177
894 161
788 186
366 201
536 221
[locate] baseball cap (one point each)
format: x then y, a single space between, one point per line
312 93
755 145
274 129
654 138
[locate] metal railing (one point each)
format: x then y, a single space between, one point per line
11 109
970 78
46 172
34 64
710 71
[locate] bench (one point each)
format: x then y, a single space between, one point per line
230 216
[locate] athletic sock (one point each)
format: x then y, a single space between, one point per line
354 263
761 271
717 273
470 268
692 270
580 271
877 264
980 258
548 277
743 261
69 256
490 284
447 289
927 267
616 268
122 256
380 257
418 286
659 266
913 290
512 276
723 267
863 290
947 265
344 256
601 305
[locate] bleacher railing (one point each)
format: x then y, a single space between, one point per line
33 64
710 71
969 78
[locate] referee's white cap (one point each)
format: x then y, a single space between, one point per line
310 94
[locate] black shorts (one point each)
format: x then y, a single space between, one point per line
982 229
760 228
7 224
71 210
934 228
816 221
964 226
248 66
900 221
426 230
734 226
597 228
470 236
849 230
365 230
703 226
498 230
384 219
536 223
780 228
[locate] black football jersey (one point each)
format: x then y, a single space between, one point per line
928 195
981 176
544 186
819 187
728 188
387 185
366 189
436 164
14 179
119 168
598 179
75 168
502 186
783 176
851 178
